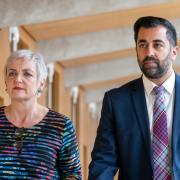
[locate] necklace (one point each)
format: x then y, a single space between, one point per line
19 137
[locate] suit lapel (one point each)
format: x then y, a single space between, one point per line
142 114
176 117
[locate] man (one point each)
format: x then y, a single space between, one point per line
139 130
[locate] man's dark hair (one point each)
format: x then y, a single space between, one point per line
150 22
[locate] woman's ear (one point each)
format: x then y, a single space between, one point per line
40 88
5 86
42 84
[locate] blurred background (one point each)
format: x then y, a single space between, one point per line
88 46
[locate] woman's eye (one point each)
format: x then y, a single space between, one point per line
27 74
11 74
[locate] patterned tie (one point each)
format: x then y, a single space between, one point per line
160 137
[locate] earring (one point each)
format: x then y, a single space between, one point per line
38 92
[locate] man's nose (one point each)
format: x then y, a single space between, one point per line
149 51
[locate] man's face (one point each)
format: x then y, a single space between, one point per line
154 52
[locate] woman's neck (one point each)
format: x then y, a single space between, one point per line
24 114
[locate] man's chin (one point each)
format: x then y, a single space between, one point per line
153 76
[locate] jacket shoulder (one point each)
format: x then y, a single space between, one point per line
126 88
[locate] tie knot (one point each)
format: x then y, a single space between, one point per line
158 90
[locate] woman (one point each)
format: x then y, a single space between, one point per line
36 142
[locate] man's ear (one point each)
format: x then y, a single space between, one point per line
175 51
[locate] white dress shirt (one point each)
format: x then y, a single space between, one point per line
169 102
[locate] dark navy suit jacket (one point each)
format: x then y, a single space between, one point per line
123 137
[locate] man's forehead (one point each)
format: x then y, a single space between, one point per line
153 33
155 30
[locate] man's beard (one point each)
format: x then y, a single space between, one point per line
155 72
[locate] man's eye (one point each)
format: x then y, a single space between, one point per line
158 45
142 45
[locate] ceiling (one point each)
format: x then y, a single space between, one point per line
92 40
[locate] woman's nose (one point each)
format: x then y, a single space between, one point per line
18 78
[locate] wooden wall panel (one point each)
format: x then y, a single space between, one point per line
4 53
78 25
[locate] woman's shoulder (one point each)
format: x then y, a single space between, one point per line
54 115
2 109
57 119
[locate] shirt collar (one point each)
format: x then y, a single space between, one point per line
168 84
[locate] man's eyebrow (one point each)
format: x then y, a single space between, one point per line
158 41
141 41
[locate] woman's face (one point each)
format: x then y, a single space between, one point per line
21 80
